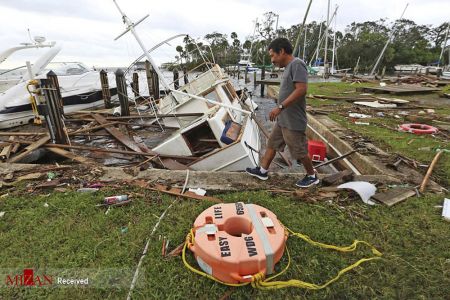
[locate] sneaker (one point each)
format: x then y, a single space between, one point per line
308 181
257 173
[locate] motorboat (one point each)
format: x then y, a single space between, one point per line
80 88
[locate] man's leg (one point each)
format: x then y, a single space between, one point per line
307 164
298 146
267 158
274 142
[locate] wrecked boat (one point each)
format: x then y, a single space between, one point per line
224 138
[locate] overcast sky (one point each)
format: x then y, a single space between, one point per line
86 29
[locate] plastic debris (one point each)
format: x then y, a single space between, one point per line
87 190
124 229
95 185
198 191
364 189
2 213
46 204
358 116
446 209
51 176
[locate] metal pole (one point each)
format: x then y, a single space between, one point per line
297 42
325 61
386 45
443 45
334 47
130 27
304 43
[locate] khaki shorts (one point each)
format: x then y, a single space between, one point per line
294 139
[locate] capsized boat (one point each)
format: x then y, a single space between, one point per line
224 138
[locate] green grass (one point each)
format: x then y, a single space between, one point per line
418 147
389 140
72 233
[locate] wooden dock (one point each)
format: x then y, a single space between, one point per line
398 89
269 81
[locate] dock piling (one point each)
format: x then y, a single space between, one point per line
122 93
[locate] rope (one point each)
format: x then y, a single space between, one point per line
260 282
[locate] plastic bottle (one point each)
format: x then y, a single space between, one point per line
115 199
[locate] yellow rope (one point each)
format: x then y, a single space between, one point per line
259 281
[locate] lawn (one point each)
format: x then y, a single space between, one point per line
67 231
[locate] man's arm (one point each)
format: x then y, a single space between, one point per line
299 91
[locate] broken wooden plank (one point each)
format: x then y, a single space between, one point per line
177 192
94 149
394 196
72 156
399 89
102 126
333 179
173 164
429 171
42 141
6 152
118 135
21 133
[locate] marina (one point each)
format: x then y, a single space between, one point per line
134 166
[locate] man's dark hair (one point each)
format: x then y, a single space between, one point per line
281 43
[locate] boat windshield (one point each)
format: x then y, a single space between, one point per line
67 68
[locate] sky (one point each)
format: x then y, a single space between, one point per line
86 28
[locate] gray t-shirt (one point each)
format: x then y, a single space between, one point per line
293 117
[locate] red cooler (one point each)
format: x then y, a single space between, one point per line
317 150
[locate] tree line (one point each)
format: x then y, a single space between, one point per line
411 43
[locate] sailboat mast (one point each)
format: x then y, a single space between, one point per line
387 43
443 45
325 61
130 27
334 45
297 41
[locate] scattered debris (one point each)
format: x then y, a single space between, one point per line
198 191
418 128
364 189
376 104
430 170
358 116
2 213
177 251
177 192
446 209
346 175
87 190
394 196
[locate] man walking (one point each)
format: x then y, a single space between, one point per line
290 114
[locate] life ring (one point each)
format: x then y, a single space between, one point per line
418 128
235 241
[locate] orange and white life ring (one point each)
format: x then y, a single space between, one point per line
418 128
235 241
